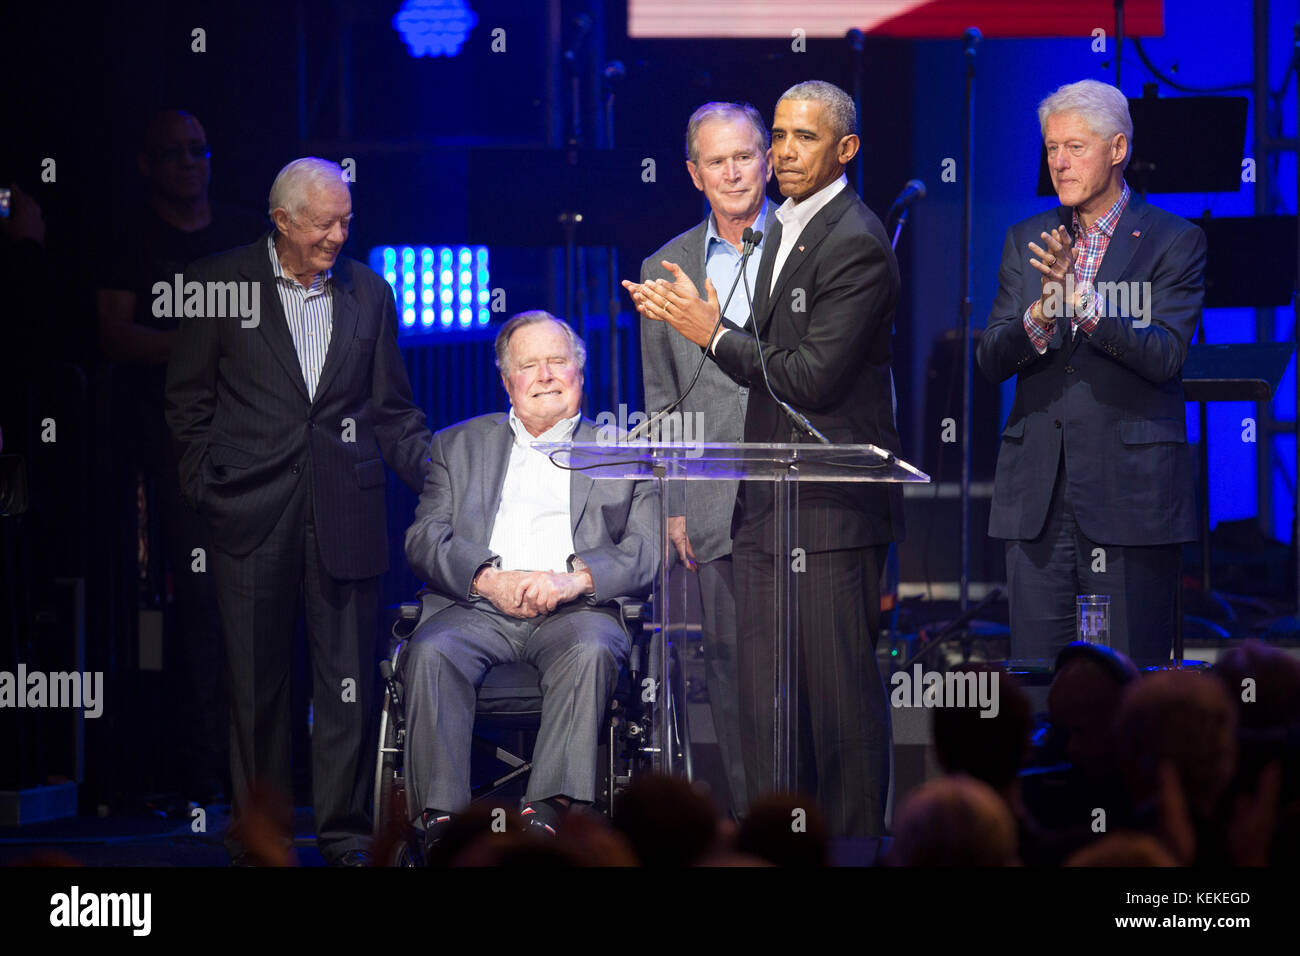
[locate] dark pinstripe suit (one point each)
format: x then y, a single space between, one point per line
826 329
294 491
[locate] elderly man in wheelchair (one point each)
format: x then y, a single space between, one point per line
523 561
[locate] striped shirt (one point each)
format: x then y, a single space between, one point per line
1089 248
310 316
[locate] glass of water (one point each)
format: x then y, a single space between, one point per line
1092 618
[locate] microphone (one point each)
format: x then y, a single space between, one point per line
797 417
749 239
970 39
913 192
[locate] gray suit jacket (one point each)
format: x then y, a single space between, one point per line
614 522
668 361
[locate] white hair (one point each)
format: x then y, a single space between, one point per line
1102 106
517 322
289 191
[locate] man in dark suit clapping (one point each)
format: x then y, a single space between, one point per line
824 302
1094 485
285 401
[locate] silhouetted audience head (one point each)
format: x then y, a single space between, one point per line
992 748
1264 682
666 820
466 828
515 849
1083 700
785 829
263 826
1184 718
590 836
1123 849
954 821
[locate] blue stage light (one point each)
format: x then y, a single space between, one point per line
443 284
434 27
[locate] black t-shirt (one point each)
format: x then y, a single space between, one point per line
151 250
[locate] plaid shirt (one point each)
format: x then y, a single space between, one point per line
1089 248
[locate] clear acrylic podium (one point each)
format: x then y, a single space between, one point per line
784 464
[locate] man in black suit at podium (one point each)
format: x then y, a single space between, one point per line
824 302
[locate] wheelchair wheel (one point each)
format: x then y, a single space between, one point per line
680 719
404 854
390 786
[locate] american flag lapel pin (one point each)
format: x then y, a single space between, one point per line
1137 233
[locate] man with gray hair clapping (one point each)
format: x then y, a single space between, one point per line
1098 300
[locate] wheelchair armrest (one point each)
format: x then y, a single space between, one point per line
635 614
405 617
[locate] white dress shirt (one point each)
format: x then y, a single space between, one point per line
793 216
533 529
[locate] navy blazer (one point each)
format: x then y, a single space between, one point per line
1113 400
246 432
826 328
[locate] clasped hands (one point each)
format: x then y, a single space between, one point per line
528 594
678 303
1054 263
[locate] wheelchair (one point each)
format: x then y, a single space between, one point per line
510 699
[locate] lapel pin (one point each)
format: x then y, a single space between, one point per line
1137 233
801 248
